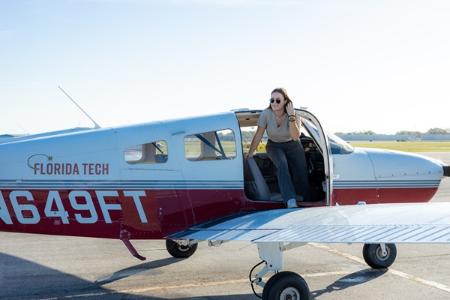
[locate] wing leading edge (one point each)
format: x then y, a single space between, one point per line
380 223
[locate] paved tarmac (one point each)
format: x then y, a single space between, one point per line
50 267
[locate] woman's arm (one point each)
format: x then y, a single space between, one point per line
256 140
294 128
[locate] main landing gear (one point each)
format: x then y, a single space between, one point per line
282 285
181 248
289 285
286 285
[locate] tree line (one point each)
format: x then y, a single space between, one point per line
402 132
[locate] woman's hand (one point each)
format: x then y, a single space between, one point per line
290 109
255 141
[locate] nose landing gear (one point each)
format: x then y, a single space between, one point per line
379 256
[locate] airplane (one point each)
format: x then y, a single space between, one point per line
187 180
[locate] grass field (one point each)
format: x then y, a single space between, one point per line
415 146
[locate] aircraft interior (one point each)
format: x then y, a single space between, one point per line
260 173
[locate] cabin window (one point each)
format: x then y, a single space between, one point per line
150 153
212 145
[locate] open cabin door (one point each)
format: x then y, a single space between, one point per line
319 169
312 124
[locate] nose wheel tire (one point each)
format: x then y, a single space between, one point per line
377 258
286 286
179 250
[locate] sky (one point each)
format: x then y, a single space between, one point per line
357 65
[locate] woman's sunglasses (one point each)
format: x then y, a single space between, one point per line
275 100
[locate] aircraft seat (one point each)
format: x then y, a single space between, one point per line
261 190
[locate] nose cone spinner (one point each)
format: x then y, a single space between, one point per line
446 170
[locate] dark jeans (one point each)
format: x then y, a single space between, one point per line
290 156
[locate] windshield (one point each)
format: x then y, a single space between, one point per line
338 145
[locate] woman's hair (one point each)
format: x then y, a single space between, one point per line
283 92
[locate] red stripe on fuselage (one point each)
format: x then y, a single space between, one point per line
170 211
382 195
166 211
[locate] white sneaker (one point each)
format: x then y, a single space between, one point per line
292 203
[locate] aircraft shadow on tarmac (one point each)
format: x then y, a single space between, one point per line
124 273
350 280
23 279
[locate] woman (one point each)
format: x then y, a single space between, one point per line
283 147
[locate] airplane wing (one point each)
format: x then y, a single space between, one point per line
379 223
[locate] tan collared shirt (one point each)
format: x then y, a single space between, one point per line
268 120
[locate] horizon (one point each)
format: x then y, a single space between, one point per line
356 132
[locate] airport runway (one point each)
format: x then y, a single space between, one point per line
49 267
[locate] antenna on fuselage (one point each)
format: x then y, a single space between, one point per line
74 102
